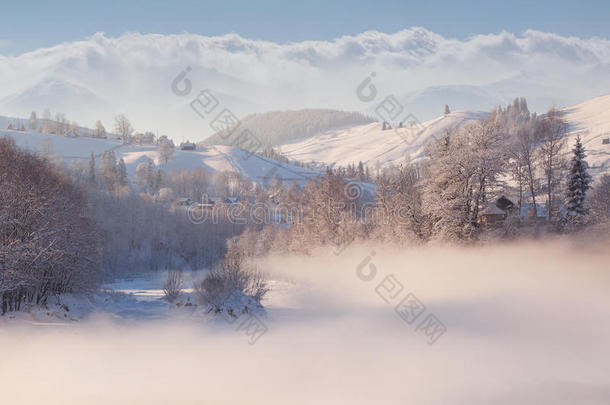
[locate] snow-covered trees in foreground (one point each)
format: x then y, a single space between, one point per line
47 246
463 169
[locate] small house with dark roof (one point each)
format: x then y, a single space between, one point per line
497 212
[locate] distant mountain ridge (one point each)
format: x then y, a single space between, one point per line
59 96
277 127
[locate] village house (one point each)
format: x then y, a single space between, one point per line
188 146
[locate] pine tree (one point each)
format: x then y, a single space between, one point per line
33 121
122 172
447 111
91 168
579 182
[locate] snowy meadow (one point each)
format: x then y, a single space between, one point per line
525 322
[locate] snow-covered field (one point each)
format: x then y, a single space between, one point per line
525 323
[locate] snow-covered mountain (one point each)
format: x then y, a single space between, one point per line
213 158
60 96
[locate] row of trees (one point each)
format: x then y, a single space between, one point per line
123 129
512 152
47 245
141 228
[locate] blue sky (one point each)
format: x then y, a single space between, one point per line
27 25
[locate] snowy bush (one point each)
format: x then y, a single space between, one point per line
232 283
173 285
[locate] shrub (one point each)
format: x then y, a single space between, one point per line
231 277
173 285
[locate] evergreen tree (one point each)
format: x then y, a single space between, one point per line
33 121
447 111
122 172
91 168
108 169
579 182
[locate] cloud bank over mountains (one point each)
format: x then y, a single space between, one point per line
133 74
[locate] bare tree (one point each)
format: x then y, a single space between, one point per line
600 199
47 126
166 150
61 124
526 142
99 131
552 131
123 128
47 246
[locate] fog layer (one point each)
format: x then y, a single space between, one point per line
524 324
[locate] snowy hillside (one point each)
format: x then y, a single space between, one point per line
591 120
370 144
212 158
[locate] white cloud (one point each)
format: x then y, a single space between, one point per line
133 72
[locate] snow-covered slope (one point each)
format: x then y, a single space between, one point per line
591 120
370 144
213 158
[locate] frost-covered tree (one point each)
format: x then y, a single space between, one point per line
74 128
464 166
600 199
552 130
579 182
108 169
397 216
47 247
123 128
145 175
47 126
33 121
166 150
122 172
521 126
99 131
61 124
91 174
